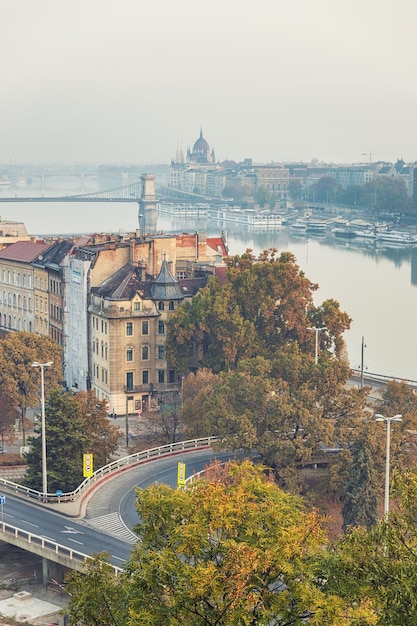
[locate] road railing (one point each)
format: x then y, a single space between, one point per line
50 549
381 379
127 462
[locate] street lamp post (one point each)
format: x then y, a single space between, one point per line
44 474
387 420
317 330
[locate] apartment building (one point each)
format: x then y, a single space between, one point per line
128 316
17 279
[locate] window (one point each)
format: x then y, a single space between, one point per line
171 305
129 354
161 352
129 381
145 377
161 376
171 376
145 328
161 306
129 329
145 353
161 328
136 306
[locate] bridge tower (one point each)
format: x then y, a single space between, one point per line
147 202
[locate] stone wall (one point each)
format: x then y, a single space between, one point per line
12 472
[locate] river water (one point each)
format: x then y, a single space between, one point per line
376 286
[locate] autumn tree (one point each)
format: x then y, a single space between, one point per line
264 304
163 425
231 549
75 424
18 350
286 409
102 438
9 414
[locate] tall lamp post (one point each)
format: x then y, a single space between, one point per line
317 330
387 420
44 475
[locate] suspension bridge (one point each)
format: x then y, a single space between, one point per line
126 193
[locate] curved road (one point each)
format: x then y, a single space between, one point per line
110 515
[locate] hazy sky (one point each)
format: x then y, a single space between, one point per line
127 80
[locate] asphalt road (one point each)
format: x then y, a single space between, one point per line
110 515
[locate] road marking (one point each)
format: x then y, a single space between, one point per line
75 541
118 558
30 524
71 531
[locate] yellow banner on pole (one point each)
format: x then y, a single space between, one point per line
181 473
87 465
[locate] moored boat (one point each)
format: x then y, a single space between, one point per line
396 237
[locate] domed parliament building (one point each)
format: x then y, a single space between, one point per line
199 173
189 173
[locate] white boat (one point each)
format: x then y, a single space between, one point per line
366 233
247 217
344 232
299 227
396 237
316 227
183 209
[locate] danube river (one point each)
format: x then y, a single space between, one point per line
376 286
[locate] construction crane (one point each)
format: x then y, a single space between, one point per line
375 153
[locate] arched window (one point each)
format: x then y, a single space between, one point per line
161 328
24 280
25 304
19 300
161 306
14 300
171 305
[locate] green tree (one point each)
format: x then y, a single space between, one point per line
76 423
360 504
102 438
65 444
231 549
98 597
380 564
325 189
18 350
386 195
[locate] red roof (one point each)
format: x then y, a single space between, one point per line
25 251
217 243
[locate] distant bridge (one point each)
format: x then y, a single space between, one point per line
127 193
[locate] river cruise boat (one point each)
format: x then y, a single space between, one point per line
184 209
397 237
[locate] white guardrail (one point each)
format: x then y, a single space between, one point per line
126 462
56 551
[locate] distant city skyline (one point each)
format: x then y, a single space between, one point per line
109 82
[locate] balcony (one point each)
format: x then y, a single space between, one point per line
153 387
